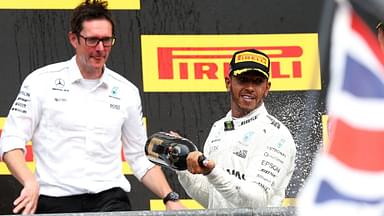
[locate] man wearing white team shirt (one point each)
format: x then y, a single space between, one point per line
251 154
77 113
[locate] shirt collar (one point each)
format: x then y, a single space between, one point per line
75 74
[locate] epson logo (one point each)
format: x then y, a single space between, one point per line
270 165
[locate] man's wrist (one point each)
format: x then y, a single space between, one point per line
207 172
172 196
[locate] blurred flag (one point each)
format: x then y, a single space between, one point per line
349 178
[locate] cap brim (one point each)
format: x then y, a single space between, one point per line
256 70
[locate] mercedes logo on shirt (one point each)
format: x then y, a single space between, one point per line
59 83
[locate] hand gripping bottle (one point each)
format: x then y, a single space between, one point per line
169 151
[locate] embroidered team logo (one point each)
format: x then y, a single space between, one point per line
59 83
114 93
241 153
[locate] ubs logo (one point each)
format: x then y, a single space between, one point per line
59 83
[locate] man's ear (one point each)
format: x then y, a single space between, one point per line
267 89
228 83
73 39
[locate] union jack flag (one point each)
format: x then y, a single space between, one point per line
348 179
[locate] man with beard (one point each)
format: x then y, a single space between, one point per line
251 154
79 114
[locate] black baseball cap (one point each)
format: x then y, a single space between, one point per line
250 60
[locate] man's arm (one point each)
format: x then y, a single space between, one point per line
196 186
134 137
262 179
155 180
26 203
265 175
20 124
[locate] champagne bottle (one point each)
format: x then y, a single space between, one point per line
169 151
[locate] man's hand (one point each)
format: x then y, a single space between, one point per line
194 166
26 203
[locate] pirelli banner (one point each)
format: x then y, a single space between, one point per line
177 53
198 63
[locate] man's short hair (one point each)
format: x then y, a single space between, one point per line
90 10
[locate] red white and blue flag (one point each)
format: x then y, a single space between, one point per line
348 179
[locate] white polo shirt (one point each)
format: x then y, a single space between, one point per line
78 130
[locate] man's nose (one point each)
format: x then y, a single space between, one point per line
250 86
100 45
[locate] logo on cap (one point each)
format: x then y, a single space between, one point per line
250 60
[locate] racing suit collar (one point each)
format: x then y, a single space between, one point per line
231 123
254 112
